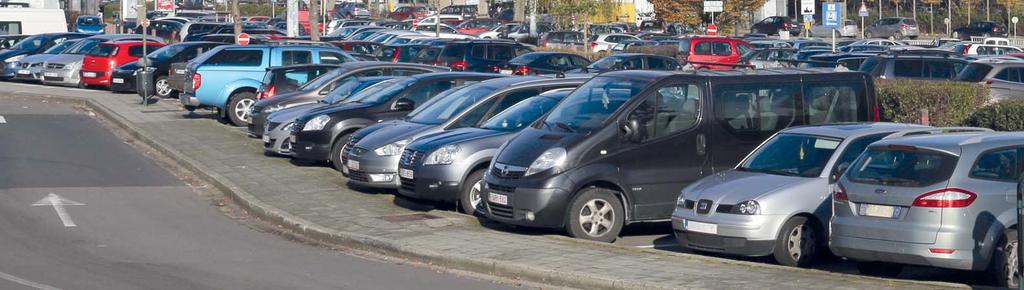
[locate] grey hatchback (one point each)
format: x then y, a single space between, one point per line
943 201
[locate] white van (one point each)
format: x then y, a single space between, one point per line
32 21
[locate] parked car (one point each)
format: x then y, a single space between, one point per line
321 134
631 61
598 160
315 90
193 31
911 66
464 11
770 44
89 24
350 10
563 40
849 29
165 29
428 55
398 53
159 61
943 201
408 12
229 76
980 29
64 69
449 166
1005 78
479 55
776 201
772 25
894 27
656 26
521 33
281 80
357 47
373 157
605 42
499 30
716 53
12 57
30 68
279 123
544 63
990 49
99 63
477 26
769 57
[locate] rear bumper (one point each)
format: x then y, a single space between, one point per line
100 78
871 250
188 100
120 82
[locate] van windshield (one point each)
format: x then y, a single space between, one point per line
908 167
521 114
590 105
793 155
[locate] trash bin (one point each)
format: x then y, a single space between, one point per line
144 84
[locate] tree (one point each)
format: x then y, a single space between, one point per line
931 11
1008 5
684 11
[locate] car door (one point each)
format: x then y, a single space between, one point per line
1007 83
747 113
669 150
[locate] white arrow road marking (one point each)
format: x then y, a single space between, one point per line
58 203
28 283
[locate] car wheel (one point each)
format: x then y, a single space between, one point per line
238 108
1003 269
336 149
799 243
162 88
869 35
595 214
896 36
882 269
469 198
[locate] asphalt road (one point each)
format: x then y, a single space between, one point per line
127 223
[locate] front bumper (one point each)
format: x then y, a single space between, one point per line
373 171
275 140
308 145
548 206
868 250
61 77
742 235
30 73
122 81
257 122
10 69
431 182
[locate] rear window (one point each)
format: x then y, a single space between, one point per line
902 167
453 52
869 65
236 58
103 50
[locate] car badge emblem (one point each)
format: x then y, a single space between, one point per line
880 191
703 206
504 170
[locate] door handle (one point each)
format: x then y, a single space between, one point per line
701 145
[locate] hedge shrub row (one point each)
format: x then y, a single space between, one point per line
947 103
1006 115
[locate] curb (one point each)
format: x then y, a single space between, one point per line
361 242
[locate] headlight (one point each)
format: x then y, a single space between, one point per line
445 155
392 149
14 58
317 123
681 200
551 158
289 127
749 207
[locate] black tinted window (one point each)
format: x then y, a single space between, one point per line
974 72
136 51
997 165
236 58
908 168
834 102
290 57
908 68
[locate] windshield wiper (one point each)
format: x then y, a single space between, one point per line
770 171
565 127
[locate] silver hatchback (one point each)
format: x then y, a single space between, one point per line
943 201
775 202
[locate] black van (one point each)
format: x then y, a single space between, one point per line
621 146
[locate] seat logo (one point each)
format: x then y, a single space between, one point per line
881 191
504 170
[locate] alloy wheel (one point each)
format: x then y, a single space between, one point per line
163 88
474 194
799 241
242 109
597 217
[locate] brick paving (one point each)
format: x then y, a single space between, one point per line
314 200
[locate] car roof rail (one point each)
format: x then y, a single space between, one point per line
919 52
937 130
285 42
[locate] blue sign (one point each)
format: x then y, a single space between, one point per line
831 15
863 14
808 18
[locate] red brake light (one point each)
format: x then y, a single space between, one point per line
785 25
941 251
839 195
197 81
593 44
394 58
521 71
946 198
495 69
459 65
903 26
877 116
988 82
966 48
994 29
113 64
270 92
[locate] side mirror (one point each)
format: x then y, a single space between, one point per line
630 130
404 104
840 169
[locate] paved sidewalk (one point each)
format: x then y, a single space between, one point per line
314 201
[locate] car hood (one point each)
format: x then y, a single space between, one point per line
392 131
281 98
128 67
429 143
525 147
289 114
734 186
66 59
8 53
37 58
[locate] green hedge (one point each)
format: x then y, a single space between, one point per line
948 103
1007 115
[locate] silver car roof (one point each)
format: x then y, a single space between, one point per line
847 130
954 142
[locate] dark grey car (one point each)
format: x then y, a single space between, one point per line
893 28
449 166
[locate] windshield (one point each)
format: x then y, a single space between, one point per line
590 105
103 50
899 167
30 43
606 63
59 48
793 155
166 52
526 58
521 114
383 91
348 88
88 21
84 46
448 104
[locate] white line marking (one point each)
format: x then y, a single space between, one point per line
28 283
659 246
58 203
3 120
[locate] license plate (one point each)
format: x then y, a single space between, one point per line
179 71
50 74
89 74
700 227
353 164
24 72
266 138
497 198
117 81
874 210
405 173
506 71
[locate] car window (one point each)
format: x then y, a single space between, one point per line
657 63
898 167
1011 74
756 110
479 51
290 57
331 57
721 48
246 57
702 48
997 165
974 72
135 51
856 147
834 102
909 68
941 69
423 93
792 154
451 103
589 106
500 52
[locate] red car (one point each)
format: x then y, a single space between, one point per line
100 62
477 26
705 52
408 12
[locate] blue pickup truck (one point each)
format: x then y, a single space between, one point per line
228 77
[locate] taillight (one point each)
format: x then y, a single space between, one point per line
544 43
966 48
269 93
946 198
988 82
839 195
197 81
459 65
785 25
437 62
521 71
593 44
994 29
877 116
394 58
495 69
903 26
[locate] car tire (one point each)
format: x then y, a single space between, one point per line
162 88
238 107
336 148
799 243
869 35
470 196
1002 270
601 210
882 269
896 36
